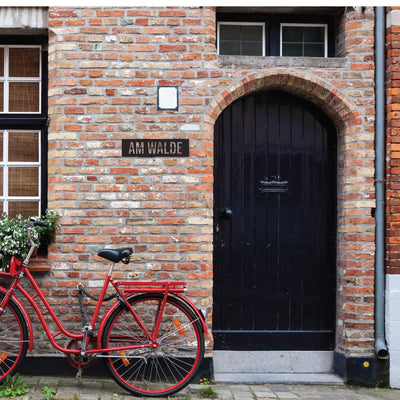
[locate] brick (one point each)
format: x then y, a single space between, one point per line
172 47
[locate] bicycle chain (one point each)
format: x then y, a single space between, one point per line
81 292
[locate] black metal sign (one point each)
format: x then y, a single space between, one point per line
155 147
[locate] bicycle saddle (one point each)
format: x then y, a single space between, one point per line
115 255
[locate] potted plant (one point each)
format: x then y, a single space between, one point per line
13 235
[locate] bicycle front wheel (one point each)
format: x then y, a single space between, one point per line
14 338
170 365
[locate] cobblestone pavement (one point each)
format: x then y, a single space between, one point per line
106 389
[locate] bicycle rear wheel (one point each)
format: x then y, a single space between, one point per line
158 371
14 338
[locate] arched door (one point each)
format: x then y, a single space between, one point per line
274 225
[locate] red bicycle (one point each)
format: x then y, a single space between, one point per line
151 338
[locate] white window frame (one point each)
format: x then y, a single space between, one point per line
262 24
6 79
325 26
5 164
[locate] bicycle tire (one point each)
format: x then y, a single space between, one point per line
14 339
154 372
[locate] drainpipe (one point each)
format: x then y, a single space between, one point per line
380 67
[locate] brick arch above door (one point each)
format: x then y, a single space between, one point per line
355 195
326 96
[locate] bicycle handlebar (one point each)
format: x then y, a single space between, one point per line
34 222
40 223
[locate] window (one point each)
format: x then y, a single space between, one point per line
20 78
245 39
303 40
261 31
23 126
20 167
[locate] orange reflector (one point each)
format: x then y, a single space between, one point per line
179 326
3 357
123 358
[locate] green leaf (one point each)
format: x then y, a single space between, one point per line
13 386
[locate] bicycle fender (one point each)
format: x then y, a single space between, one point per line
195 310
117 303
25 314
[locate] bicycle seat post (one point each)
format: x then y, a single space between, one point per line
110 271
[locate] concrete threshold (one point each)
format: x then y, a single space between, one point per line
304 367
284 378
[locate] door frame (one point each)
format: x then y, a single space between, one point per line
349 122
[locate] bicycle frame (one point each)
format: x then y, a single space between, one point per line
124 290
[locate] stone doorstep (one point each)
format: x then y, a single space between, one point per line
249 378
273 362
306 367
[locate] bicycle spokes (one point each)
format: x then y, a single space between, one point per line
168 363
13 338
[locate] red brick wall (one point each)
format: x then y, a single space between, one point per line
104 68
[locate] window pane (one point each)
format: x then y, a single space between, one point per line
314 50
251 49
23 181
292 49
314 34
25 208
251 32
23 146
1 146
229 48
24 62
229 32
292 34
1 61
24 97
1 182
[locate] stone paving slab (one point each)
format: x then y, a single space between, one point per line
106 389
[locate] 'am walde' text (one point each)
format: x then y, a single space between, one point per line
155 147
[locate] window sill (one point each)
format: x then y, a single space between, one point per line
38 264
273 61
39 268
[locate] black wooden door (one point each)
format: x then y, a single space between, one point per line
274 225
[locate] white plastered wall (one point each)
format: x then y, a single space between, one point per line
392 295
393 327
23 17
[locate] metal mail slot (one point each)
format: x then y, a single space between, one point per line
273 186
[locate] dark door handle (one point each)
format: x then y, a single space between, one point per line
226 213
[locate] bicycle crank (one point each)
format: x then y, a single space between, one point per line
78 361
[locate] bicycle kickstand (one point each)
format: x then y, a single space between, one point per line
78 375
